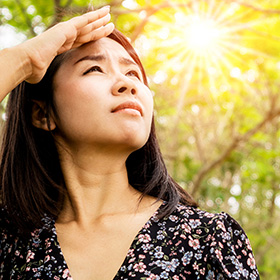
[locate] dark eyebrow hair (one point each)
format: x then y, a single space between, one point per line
126 61
91 57
100 57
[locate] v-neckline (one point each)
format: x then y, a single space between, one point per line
136 238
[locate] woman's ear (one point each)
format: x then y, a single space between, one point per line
39 118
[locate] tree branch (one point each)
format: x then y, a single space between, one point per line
151 11
233 145
255 8
264 34
67 9
58 12
69 2
198 143
27 19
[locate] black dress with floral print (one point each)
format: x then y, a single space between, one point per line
187 244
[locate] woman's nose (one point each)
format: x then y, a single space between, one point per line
124 86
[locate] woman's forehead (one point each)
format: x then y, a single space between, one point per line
104 46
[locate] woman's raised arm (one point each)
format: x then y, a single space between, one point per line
29 61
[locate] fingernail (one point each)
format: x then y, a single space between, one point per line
111 24
106 7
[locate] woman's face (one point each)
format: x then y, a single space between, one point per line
100 98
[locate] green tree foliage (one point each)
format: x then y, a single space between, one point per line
214 66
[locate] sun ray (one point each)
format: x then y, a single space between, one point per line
208 66
219 10
186 80
228 17
210 9
240 26
218 61
195 6
208 41
237 47
233 20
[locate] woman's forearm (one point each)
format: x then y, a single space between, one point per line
14 68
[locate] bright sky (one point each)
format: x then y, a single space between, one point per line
9 37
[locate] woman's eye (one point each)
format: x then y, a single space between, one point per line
133 73
93 69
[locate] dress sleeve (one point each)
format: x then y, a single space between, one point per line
230 255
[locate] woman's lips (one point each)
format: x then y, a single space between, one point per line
131 107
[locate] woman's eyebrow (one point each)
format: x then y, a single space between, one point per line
98 57
101 57
126 61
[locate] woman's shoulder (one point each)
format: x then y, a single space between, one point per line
222 240
211 228
197 217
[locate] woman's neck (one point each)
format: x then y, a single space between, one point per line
97 185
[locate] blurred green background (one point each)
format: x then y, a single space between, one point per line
214 69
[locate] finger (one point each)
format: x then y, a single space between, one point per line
94 25
95 35
89 17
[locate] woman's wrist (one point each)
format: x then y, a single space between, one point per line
15 68
17 64
24 62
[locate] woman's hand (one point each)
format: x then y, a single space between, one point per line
29 61
64 36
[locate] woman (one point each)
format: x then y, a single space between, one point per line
85 193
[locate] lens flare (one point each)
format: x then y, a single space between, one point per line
201 34
204 43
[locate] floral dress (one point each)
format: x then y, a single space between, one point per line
187 244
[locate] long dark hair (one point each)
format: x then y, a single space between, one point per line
32 183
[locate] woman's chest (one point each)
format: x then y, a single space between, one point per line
97 256
98 250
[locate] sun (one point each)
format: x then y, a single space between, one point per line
202 43
201 35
